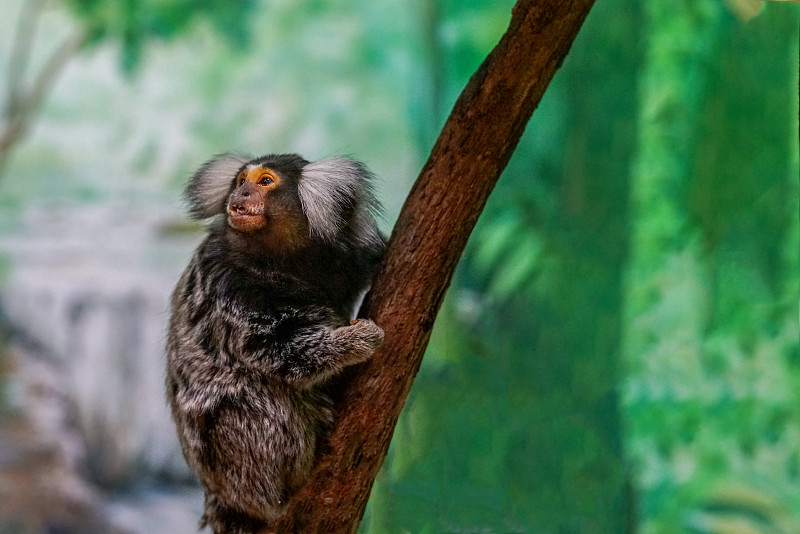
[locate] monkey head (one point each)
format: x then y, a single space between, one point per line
282 203
264 205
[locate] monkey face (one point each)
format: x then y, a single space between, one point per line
264 204
246 205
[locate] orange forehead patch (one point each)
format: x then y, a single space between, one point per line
260 176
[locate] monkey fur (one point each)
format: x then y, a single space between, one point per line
260 325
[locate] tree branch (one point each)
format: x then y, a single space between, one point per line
433 227
24 108
21 52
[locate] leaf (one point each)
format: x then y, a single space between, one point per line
494 239
518 269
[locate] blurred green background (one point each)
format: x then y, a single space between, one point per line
618 351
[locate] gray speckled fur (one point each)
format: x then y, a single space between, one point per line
252 344
328 187
211 184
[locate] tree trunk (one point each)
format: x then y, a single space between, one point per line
433 227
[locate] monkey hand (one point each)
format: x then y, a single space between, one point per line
363 336
370 332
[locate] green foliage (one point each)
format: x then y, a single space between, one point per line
134 22
625 314
712 336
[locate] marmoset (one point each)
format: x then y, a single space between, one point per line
261 324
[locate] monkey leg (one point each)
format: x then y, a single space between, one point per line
225 520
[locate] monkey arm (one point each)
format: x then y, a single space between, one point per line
309 354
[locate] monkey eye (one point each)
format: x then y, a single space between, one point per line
266 180
240 179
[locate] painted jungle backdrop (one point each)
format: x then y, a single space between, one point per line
618 351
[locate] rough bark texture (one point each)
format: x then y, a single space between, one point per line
431 232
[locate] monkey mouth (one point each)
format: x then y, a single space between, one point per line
245 218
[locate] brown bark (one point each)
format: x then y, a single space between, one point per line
433 227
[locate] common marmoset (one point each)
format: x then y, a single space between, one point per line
260 324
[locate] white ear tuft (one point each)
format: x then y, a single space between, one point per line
209 187
336 192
